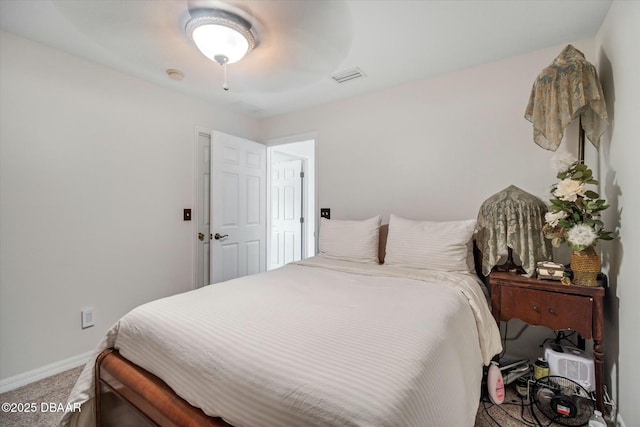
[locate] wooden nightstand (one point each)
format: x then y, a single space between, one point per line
556 306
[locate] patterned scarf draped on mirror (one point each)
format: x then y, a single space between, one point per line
569 88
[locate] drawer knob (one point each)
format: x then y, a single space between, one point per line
552 311
535 308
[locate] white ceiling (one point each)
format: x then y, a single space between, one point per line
303 42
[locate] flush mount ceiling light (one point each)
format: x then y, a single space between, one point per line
221 36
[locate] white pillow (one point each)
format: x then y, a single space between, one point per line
355 241
433 245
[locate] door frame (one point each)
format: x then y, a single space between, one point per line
272 144
195 214
197 130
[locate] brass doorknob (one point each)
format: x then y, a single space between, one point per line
200 236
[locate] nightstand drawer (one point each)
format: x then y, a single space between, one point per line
569 312
523 304
553 310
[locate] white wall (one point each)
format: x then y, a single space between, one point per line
435 149
619 68
95 169
430 149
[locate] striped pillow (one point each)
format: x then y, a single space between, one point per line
355 241
431 245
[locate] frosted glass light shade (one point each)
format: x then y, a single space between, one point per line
221 37
214 40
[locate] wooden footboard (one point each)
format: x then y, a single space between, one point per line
127 395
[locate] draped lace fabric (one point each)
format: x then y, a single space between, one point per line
512 219
563 91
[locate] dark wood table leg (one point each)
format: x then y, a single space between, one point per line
598 358
598 352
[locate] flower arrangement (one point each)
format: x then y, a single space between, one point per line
574 213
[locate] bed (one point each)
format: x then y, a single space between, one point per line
329 341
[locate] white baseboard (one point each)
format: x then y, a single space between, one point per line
34 375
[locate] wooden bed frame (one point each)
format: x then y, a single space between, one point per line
127 395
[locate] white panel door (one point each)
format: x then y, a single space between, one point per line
238 188
286 212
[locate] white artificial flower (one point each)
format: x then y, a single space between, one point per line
581 235
569 190
552 218
561 161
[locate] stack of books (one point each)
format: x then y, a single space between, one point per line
549 270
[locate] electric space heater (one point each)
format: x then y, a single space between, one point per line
572 363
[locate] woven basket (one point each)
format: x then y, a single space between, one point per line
585 266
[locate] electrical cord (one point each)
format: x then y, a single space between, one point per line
522 408
521 420
519 334
505 338
534 421
535 417
504 341
565 336
486 411
561 336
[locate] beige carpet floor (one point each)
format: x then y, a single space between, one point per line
50 390
56 389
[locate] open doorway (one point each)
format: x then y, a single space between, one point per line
299 149
291 200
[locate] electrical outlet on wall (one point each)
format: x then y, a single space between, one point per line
88 318
325 213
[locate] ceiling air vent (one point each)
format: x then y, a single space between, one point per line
351 74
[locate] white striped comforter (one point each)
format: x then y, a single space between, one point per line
322 342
